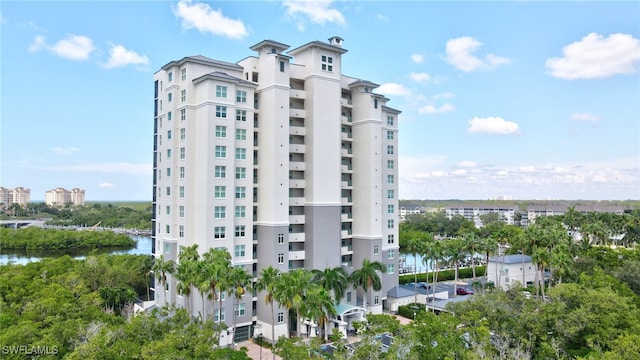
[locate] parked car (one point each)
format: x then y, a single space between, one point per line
424 285
464 291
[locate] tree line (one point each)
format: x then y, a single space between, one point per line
34 238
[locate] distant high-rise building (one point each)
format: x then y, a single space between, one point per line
18 195
282 163
61 196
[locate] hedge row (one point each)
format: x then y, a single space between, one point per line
443 275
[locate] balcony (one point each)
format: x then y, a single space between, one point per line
345 102
299 113
346 168
296 148
296 183
346 136
296 255
346 119
296 201
346 184
296 130
346 250
346 152
296 165
296 237
346 217
297 94
296 219
347 200
345 234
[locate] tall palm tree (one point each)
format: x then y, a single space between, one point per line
471 243
489 245
415 244
367 277
240 281
436 252
267 282
162 267
290 290
216 265
454 252
334 279
319 306
186 273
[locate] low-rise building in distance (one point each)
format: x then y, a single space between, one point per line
19 195
62 196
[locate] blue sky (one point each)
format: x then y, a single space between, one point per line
526 100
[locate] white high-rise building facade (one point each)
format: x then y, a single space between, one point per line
282 163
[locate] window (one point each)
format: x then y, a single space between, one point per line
218 232
168 171
241 96
181 172
168 190
183 74
241 154
280 238
241 192
376 250
181 188
168 153
390 224
389 135
390 120
391 254
240 310
221 132
281 66
182 153
167 229
240 231
349 296
281 258
390 269
168 134
170 76
220 192
181 231
390 194
218 315
220 172
220 212
390 209
280 317
241 173
183 95
241 115
390 149
375 103
183 114
221 112
169 116
183 133
221 91
241 134
169 97
390 179
239 251
221 152
168 210
376 300
240 211
327 62
181 211
390 164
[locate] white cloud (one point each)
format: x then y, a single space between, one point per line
316 11
120 56
432 109
467 164
64 151
394 89
73 47
420 77
584 117
492 125
382 17
526 169
460 172
459 54
106 185
443 96
417 58
595 56
207 20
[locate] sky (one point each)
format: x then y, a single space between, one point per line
500 99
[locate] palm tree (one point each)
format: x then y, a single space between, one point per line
454 251
367 277
216 265
186 272
240 281
162 267
415 244
471 243
290 290
435 251
334 279
267 282
319 306
489 246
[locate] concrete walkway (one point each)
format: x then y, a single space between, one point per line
254 351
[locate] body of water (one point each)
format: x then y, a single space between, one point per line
142 247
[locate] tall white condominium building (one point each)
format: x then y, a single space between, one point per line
19 195
61 196
282 163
